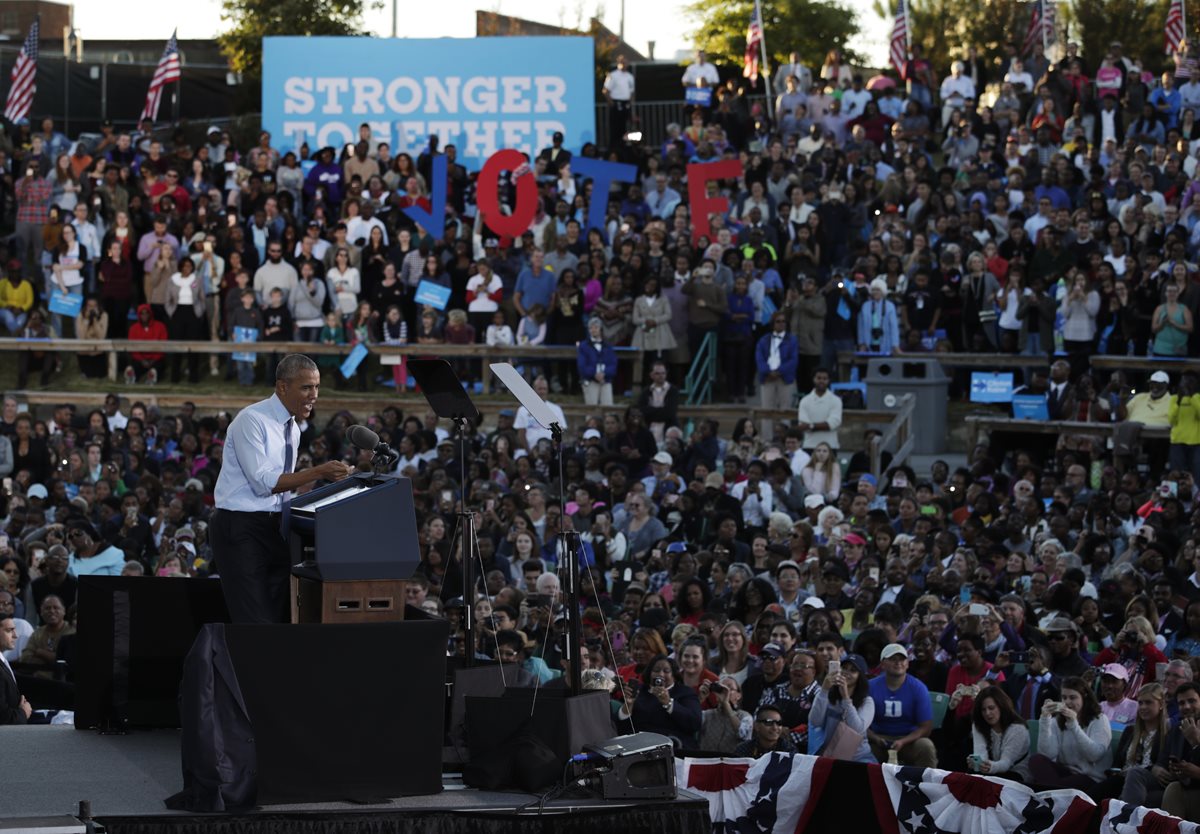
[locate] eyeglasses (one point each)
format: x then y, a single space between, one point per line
1056 637
770 722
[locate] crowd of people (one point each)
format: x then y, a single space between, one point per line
1033 614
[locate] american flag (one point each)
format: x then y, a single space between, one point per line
1173 32
1041 22
24 78
898 47
754 36
168 70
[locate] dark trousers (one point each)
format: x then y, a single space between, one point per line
26 360
186 326
254 564
618 125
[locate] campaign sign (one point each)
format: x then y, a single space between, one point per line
435 295
479 94
1030 407
991 388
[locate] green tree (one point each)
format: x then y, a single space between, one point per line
945 29
810 27
1137 24
252 20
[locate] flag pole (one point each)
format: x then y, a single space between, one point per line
1045 33
907 33
762 46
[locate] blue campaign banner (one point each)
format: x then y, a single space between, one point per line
435 295
698 95
357 355
242 336
65 303
991 388
1030 407
479 94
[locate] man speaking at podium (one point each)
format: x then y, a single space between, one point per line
254 491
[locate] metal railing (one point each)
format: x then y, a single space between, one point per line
651 118
899 432
703 374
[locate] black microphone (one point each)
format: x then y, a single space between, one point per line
362 437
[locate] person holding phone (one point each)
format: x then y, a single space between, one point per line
1074 740
844 701
664 703
999 737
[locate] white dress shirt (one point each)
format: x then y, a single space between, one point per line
255 451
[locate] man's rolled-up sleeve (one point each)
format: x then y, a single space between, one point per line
250 443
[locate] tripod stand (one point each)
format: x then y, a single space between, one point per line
467 540
446 397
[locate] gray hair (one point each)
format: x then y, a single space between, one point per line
1183 666
292 366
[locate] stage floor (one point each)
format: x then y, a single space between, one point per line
49 769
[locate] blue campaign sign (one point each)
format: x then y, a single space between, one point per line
435 295
1030 407
991 388
479 94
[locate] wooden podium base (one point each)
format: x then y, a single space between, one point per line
354 601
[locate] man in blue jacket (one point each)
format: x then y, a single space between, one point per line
597 362
776 356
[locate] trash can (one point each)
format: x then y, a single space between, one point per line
889 379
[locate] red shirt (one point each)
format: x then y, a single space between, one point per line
156 331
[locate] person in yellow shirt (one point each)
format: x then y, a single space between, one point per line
1145 409
1184 417
16 299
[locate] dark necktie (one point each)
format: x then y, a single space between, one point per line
285 509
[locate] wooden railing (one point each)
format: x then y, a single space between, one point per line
854 422
115 347
984 424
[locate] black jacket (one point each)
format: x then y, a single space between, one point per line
10 699
218 751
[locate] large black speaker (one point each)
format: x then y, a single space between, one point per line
136 632
277 714
638 766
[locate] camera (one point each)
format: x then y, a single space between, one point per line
717 688
1018 657
659 682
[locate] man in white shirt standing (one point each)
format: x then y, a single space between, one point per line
956 89
854 100
253 494
820 413
756 497
701 74
619 90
